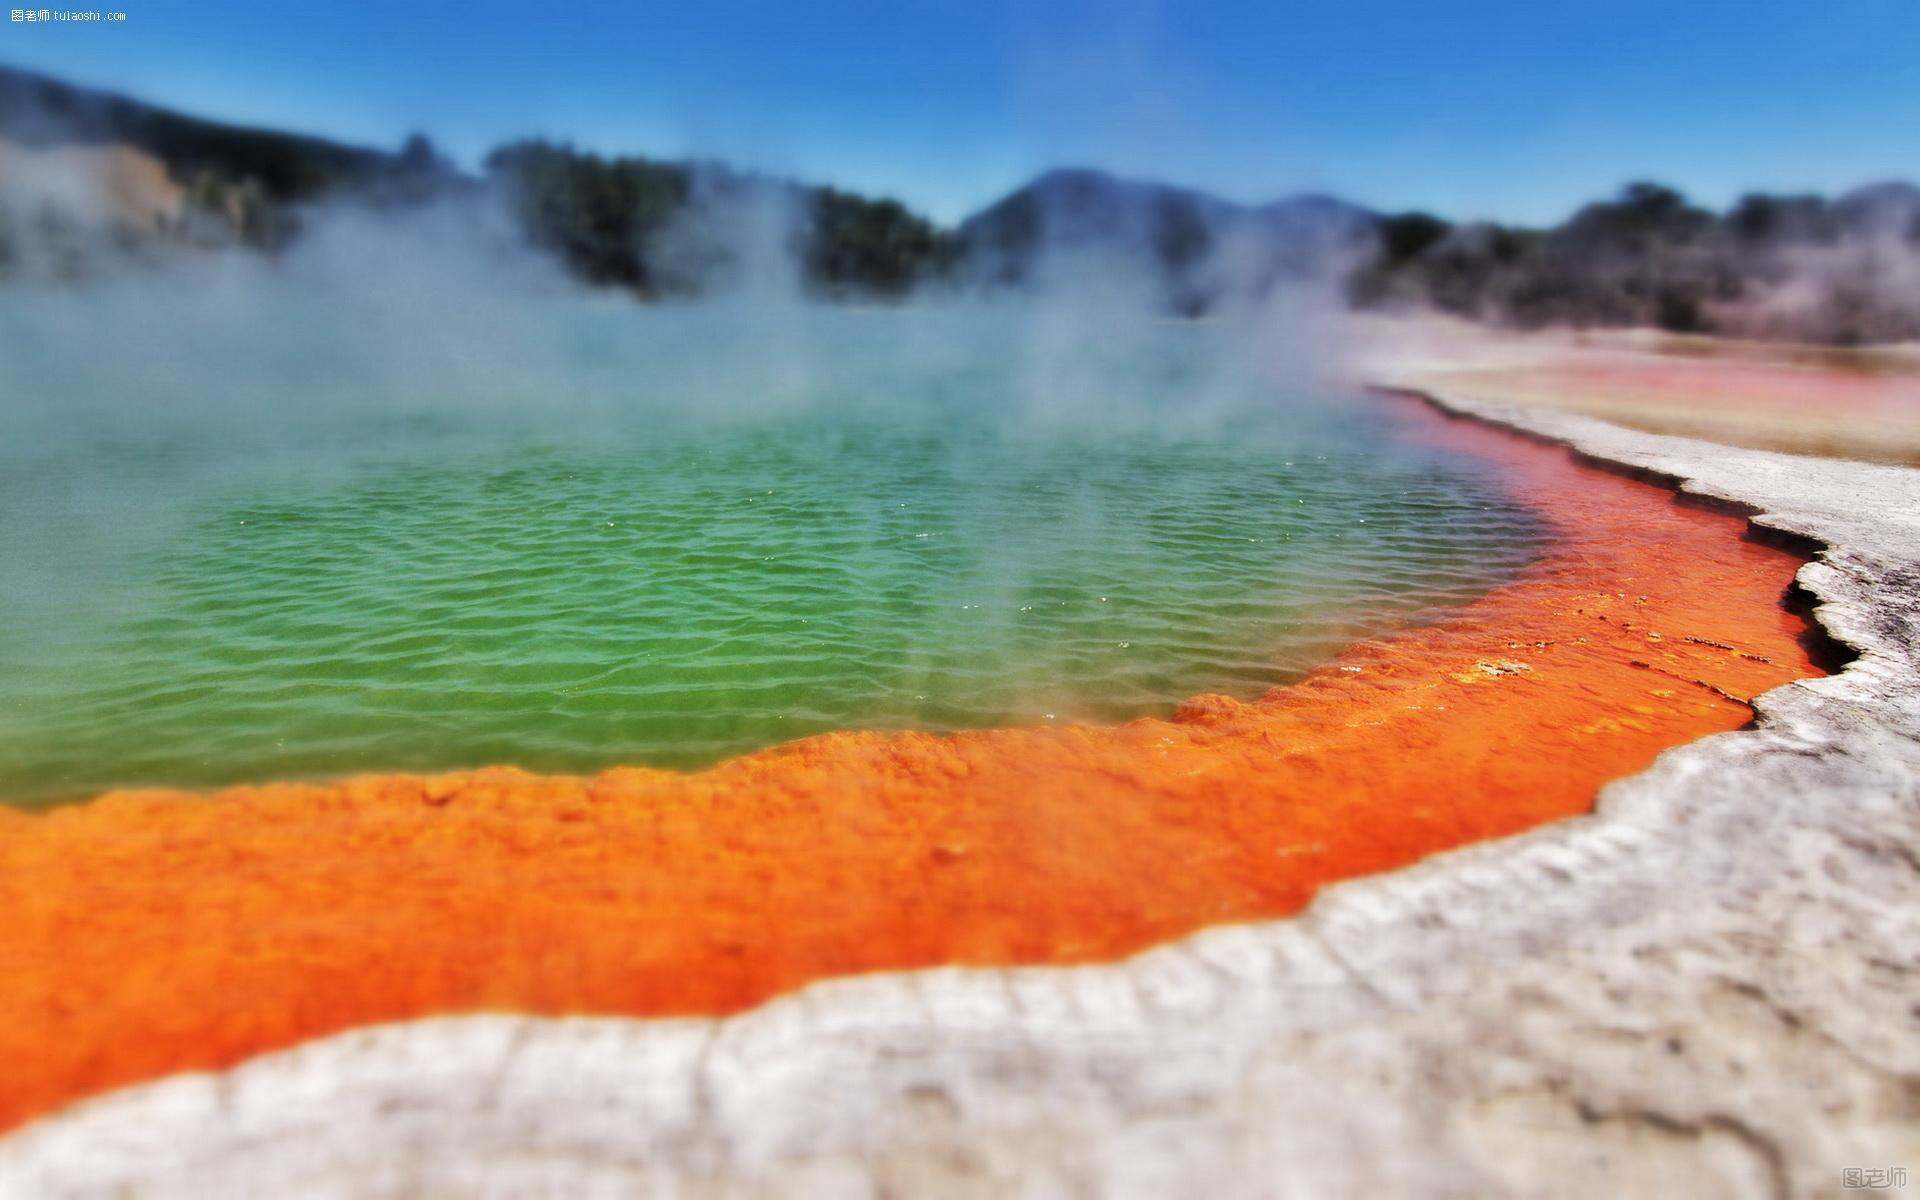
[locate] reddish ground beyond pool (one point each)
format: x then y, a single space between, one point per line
1804 408
148 933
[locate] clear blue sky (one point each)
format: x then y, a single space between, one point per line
1515 110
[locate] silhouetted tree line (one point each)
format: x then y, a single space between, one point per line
1844 270
242 184
597 214
1807 268
857 244
37 110
1838 270
624 221
608 219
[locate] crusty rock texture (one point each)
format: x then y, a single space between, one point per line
1711 987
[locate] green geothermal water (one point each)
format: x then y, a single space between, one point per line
658 568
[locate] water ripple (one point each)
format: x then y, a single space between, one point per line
672 600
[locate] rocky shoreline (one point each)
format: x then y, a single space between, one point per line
1706 988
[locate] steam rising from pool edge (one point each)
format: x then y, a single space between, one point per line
447 300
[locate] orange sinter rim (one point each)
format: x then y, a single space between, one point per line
147 933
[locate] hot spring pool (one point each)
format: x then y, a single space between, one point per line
623 542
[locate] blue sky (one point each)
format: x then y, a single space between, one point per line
1513 110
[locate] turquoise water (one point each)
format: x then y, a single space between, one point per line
643 559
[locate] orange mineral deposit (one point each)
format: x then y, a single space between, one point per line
153 932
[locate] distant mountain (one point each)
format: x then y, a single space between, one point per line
1805 268
1194 248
